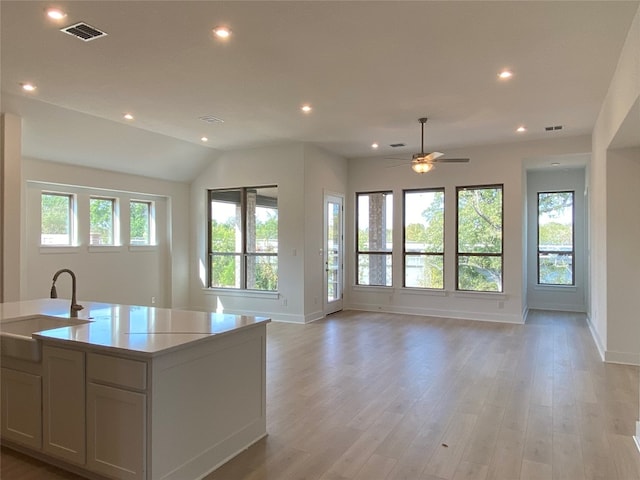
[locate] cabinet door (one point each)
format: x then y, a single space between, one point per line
116 432
64 403
21 408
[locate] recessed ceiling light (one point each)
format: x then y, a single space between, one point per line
222 31
204 139
128 116
28 87
306 108
555 164
505 74
521 129
55 14
374 145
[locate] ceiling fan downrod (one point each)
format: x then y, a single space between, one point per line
422 120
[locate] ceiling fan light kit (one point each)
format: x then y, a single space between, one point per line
421 167
424 162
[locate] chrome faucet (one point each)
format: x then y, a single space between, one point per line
75 308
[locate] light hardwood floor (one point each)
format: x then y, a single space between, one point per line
373 396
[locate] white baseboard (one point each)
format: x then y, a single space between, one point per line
596 338
429 312
559 307
314 316
624 358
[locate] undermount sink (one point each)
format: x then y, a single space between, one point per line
16 340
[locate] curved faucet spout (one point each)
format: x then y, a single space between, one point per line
75 308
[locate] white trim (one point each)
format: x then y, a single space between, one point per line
561 307
555 288
431 312
596 338
624 358
238 292
422 291
314 316
637 442
372 288
480 295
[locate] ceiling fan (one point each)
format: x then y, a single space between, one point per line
423 162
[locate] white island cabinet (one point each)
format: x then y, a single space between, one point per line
137 392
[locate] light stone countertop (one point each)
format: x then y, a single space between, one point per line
139 330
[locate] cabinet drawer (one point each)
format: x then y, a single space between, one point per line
117 371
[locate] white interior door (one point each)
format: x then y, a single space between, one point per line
333 253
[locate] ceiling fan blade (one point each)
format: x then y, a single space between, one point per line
426 157
398 165
433 156
451 160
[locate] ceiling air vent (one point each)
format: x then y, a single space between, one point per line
396 145
211 119
552 128
83 31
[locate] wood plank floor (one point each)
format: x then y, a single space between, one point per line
373 396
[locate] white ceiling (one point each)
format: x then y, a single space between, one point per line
369 68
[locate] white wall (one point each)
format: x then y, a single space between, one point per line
497 164
324 173
618 111
117 275
623 258
12 283
301 172
565 298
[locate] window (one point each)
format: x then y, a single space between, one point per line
243 238
102 213
374 239
555 238
479 238
424 238
141 224
56 226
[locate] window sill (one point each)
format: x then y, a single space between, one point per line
372 288
236 292
555 288
487 295
59 249
434 292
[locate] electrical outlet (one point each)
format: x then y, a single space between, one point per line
153 300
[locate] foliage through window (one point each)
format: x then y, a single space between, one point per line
424 238
56 226
102 213
479 238
141 223
555 238
374 238
243 238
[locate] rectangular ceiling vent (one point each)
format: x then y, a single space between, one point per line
211 119
396 145
83 31
552 128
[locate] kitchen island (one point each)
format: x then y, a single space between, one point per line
131 392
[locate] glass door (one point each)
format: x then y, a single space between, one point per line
333 253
